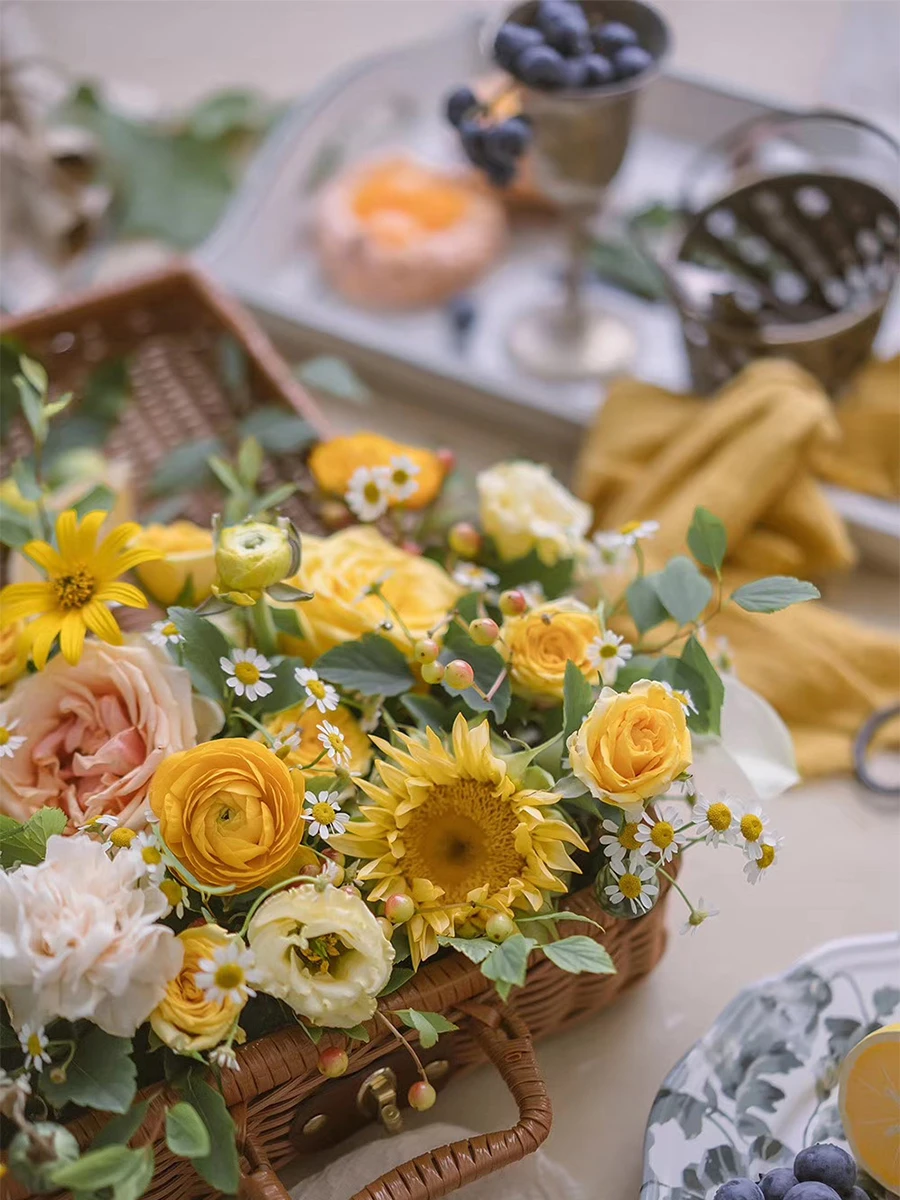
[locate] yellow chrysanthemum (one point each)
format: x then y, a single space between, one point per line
452 829
81 581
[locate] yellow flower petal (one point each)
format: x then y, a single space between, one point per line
42 633
97 617
87 534
19 600
71 636
121 593
67 534
44 556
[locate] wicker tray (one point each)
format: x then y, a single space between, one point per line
168 325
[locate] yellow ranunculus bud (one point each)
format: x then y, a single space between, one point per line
184 1019
632 745
542 640
13 652
254 555
230 811
333 463
187 553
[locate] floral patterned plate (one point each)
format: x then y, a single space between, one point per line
762 1083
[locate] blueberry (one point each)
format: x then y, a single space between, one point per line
576 72
825 1163
541 66
462 313
811 1190
613 36
511 40
777 1183
460 101
599 70
858 1194
631 61
738 1189
474 142
500 171
510 138
564 26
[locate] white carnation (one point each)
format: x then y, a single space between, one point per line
293 936
523 507
80 940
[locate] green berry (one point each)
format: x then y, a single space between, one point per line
459 675
399 908
513 603
426 650
333 1062
483 631
499 927
432 672
421 1096
464 539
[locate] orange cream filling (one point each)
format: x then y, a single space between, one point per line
400 202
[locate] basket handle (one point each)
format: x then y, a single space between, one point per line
507 1044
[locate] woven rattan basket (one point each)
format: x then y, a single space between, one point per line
168 326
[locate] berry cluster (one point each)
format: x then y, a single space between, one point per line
562 50
820 1172
496 148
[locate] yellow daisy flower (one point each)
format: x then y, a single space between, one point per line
452 829
81 581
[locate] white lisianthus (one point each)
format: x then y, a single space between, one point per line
322 951
80 940
523 507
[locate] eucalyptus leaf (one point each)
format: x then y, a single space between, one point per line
204 644
555 579
428 1025
682 590
695 663
580 954
234 110
122 1128
286 691
15 527
186 1134
371 665
187 465
707 539
334 376
399 977
96 1169
99 498
277 430
644 604
774 593
358 1033
220 1166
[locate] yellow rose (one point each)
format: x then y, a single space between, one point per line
230 811
539 643
184 1019
632 745
305 722
187 553
339 569
523 508
333 462
13 652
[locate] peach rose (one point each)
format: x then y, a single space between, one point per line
97 731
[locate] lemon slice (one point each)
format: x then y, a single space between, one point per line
869 1101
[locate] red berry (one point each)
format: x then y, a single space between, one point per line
410 546
426 650
464 539
399 908
459 675
447 459
433 672
513 603
483 631
421 1096
333 1062
499 927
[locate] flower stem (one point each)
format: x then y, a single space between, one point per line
264 633
673 881
400 1038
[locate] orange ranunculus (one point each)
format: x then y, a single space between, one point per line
230 811
333 462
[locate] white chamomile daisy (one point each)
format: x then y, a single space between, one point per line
247 672
33 1041
10 742
474 578
163 633
659 833
318 693
638 531
369 492
697 916
769 848
227 976
750 830
145 848
176 894
335 744
608 654
225 1058
286 742
325 816
403 472
684 698
716 820
611 551
620 840
635 883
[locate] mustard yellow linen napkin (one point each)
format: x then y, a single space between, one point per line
867 457
749 455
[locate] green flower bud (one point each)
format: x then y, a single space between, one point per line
254 555
35 1153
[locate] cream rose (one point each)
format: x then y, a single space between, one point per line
321 950
631 745
524 508
97 731
339 569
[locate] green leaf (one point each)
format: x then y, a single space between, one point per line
249 460
34 372
326 373
428 712
578 954
27 843
15 527
277 430
286 621
428 1025
774 593
230 111
709 715
98 498
139 1177
224 472
399 976
26 481
476 950
683 591
33 407
507 965
624 266
101 1075
96 1169
202 648
372 666
119 1130
286 691
644 604
186 1134
106 393
578 700
707 539
272 499
554 580
359 1033
186 467
220 1166
562 915
487 665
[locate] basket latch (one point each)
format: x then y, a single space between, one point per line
377 1097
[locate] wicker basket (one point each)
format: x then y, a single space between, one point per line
168 326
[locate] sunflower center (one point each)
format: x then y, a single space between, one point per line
323 812
461 838
766 858
751 827
719 817
229 975
628 836
662 835
630 886
247 673
75 589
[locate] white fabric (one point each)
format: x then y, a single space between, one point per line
537 1177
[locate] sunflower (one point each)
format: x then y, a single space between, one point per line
81 581
452 829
